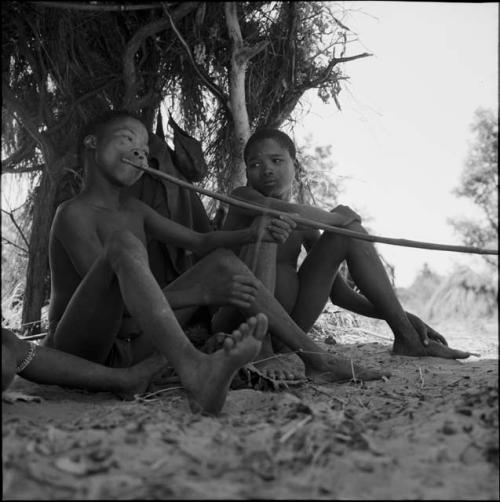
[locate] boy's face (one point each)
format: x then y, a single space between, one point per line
122 138
270 168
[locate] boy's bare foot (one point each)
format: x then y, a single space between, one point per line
328 368
280 368
136 379
207 386
413 347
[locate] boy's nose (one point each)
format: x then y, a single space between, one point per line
267 170
139 154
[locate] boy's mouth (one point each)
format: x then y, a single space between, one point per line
135 163
269 181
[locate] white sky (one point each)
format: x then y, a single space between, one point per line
403 132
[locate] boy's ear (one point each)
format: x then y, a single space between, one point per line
90 141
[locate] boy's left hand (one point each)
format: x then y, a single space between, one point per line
349 215
269 229
425 332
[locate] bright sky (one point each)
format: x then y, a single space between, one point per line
402 136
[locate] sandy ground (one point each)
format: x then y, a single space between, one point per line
428 432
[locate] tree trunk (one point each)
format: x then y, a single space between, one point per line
38 262
240 56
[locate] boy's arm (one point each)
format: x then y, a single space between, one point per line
340 216
170 232
78 237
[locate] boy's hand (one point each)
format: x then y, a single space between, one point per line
348 215
237 290
424 331
269 229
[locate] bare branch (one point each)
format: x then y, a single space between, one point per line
343 26
22 114
130 77
107 7
20 170
326 74
18 156
80 100
241 52
216 91
15 245
248 52
18 228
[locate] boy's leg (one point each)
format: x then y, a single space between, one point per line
222 263
54 367
206 378
260 258
318 272
92 317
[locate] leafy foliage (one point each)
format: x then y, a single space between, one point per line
479 183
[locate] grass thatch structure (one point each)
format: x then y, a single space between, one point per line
466 295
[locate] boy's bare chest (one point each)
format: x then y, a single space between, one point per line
107 222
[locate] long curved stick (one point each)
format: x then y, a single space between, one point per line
311 223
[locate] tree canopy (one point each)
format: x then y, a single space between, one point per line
222 68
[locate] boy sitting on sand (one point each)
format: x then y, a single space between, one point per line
99 265
99 269
270 159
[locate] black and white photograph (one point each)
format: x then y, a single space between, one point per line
250 250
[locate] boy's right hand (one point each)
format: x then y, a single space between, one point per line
272 229
347 215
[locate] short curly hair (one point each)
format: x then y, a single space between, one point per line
97 124
268 133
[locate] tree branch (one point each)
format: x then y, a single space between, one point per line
326 74
241 53
216 91
64 121
18 228
96 7
17 156
15 245
23 116
129 70
20 170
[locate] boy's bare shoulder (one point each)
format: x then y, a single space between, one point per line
69 208
70 213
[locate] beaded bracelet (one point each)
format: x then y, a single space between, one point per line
29 356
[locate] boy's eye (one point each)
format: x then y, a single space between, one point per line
277 161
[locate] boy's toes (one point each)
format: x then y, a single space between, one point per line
447 352
237 335
261 326
229 343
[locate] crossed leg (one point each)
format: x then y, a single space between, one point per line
318 363
121 276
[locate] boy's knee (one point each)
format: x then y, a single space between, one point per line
124 245
227 262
